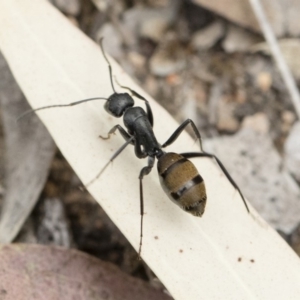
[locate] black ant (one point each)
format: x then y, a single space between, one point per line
178 176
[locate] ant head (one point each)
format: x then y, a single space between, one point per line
118 103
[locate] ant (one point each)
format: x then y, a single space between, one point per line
178 176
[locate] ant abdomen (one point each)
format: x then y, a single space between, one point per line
182 183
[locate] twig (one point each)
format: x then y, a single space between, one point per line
276 52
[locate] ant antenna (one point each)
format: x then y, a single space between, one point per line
58 105
77 102
109 66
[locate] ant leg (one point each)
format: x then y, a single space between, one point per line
148 107
179 130
145 171
129 141
205 154
123 132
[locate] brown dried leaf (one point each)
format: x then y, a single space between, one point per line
39 272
